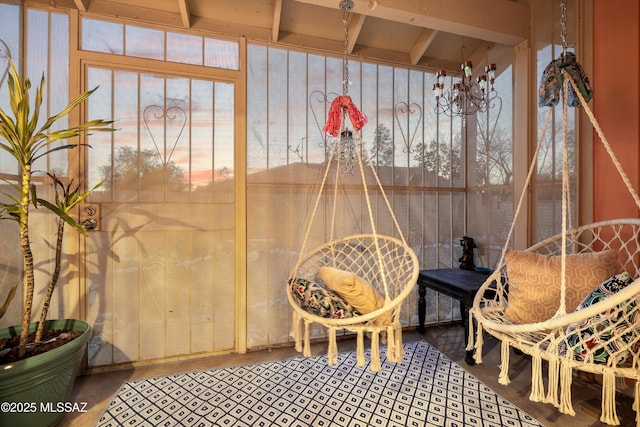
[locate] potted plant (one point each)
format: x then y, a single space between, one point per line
32 373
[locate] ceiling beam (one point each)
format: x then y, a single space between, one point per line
354 31
499 21
421 46
277 15
185 13
337 46
82 5
478 57
111 9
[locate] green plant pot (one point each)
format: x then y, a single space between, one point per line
35 391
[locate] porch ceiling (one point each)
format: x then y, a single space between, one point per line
429 33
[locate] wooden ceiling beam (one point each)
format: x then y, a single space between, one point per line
499 21
337 46
82 5
355 27
421 46
110 9
277 15
185 13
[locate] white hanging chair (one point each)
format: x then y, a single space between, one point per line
357 282
388 264
602 334
384 262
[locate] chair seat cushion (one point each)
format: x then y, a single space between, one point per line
321 301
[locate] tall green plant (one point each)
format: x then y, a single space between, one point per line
25 142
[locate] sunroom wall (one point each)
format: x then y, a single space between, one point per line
285 148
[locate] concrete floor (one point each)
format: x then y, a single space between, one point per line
98 389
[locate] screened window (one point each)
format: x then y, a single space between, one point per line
9 245
46 54
140 42
9 38
421 158
174 140
547 186
416 151
490 174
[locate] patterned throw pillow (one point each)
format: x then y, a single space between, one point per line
321 301
534 282
596 331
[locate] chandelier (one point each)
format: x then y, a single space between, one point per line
467 96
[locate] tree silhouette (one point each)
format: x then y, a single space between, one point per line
132 168
550 157
494 161
382 151
441 159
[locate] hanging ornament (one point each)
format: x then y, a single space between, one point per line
347 152
552 79
343 107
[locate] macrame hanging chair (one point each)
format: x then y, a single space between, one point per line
356 282
601 335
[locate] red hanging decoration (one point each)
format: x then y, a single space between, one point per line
334 119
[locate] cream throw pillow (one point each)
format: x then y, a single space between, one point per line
355 290
534 282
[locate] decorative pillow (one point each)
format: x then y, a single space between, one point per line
534 281
356 291
321 301
597 331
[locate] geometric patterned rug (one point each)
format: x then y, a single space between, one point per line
425 389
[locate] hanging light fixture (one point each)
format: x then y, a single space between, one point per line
467 96
343 107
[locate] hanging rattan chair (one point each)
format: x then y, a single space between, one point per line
354 282
385 262
596 332
376 261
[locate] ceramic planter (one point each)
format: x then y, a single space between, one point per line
35 391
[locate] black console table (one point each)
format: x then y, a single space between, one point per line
456 283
